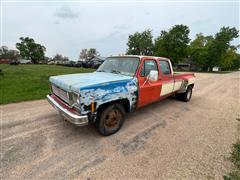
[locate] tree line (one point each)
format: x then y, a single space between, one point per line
203 52
31 50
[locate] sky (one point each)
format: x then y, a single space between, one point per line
68 27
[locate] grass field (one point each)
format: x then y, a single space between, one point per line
29 82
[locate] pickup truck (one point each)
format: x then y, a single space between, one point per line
120 85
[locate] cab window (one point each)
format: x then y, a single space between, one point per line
148 65
165 68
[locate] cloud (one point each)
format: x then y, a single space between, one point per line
121 27
66 12
56 22
147 13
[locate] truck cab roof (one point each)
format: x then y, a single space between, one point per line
141 56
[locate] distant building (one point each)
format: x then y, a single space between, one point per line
25 61
95 62
5 61
56 61
216 68
50 62
98 58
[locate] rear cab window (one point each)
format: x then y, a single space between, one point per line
165 67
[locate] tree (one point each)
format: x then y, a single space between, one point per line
83 54
140 43
5 53
198 51
210 51
227 60
221 45
236 62
173 44
92 52
60 58
29 49
87 54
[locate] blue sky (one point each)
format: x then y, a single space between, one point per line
66 28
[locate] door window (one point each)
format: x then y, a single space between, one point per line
165 68
148 65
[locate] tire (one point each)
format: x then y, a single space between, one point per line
185 96
110 119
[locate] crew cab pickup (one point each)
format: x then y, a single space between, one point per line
120 85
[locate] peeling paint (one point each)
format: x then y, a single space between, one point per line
107 92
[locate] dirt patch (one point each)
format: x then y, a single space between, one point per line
166 140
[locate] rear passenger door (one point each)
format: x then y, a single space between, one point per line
167 78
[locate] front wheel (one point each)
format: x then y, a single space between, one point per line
185 96
110 120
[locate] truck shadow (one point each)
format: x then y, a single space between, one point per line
132 119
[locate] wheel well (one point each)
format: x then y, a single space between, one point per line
191 85
124 102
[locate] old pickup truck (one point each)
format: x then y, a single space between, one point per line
120 85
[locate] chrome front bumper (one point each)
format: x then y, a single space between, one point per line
71 117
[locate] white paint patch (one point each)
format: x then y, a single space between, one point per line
167 88
191 80
177 85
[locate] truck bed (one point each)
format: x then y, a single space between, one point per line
183 76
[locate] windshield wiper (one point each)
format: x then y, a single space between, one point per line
101 71
116 71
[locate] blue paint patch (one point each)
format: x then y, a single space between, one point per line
73 82
99 87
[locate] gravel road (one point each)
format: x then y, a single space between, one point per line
166 140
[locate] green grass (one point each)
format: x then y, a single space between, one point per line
235 158
29 82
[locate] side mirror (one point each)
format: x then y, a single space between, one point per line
153 75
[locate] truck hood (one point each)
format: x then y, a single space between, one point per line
75 82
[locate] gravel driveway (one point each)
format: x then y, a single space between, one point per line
166 140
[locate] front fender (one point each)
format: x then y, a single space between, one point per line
108 92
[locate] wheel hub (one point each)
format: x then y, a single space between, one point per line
112 118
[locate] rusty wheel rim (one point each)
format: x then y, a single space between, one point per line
112 119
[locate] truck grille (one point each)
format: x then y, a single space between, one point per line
60 93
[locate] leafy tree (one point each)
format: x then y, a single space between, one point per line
236 62
29 49
227 60
140 43
198 51
5 53
209 51
221 45
173 44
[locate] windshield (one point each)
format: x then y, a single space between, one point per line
120 65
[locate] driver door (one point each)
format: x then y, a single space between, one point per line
148 91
